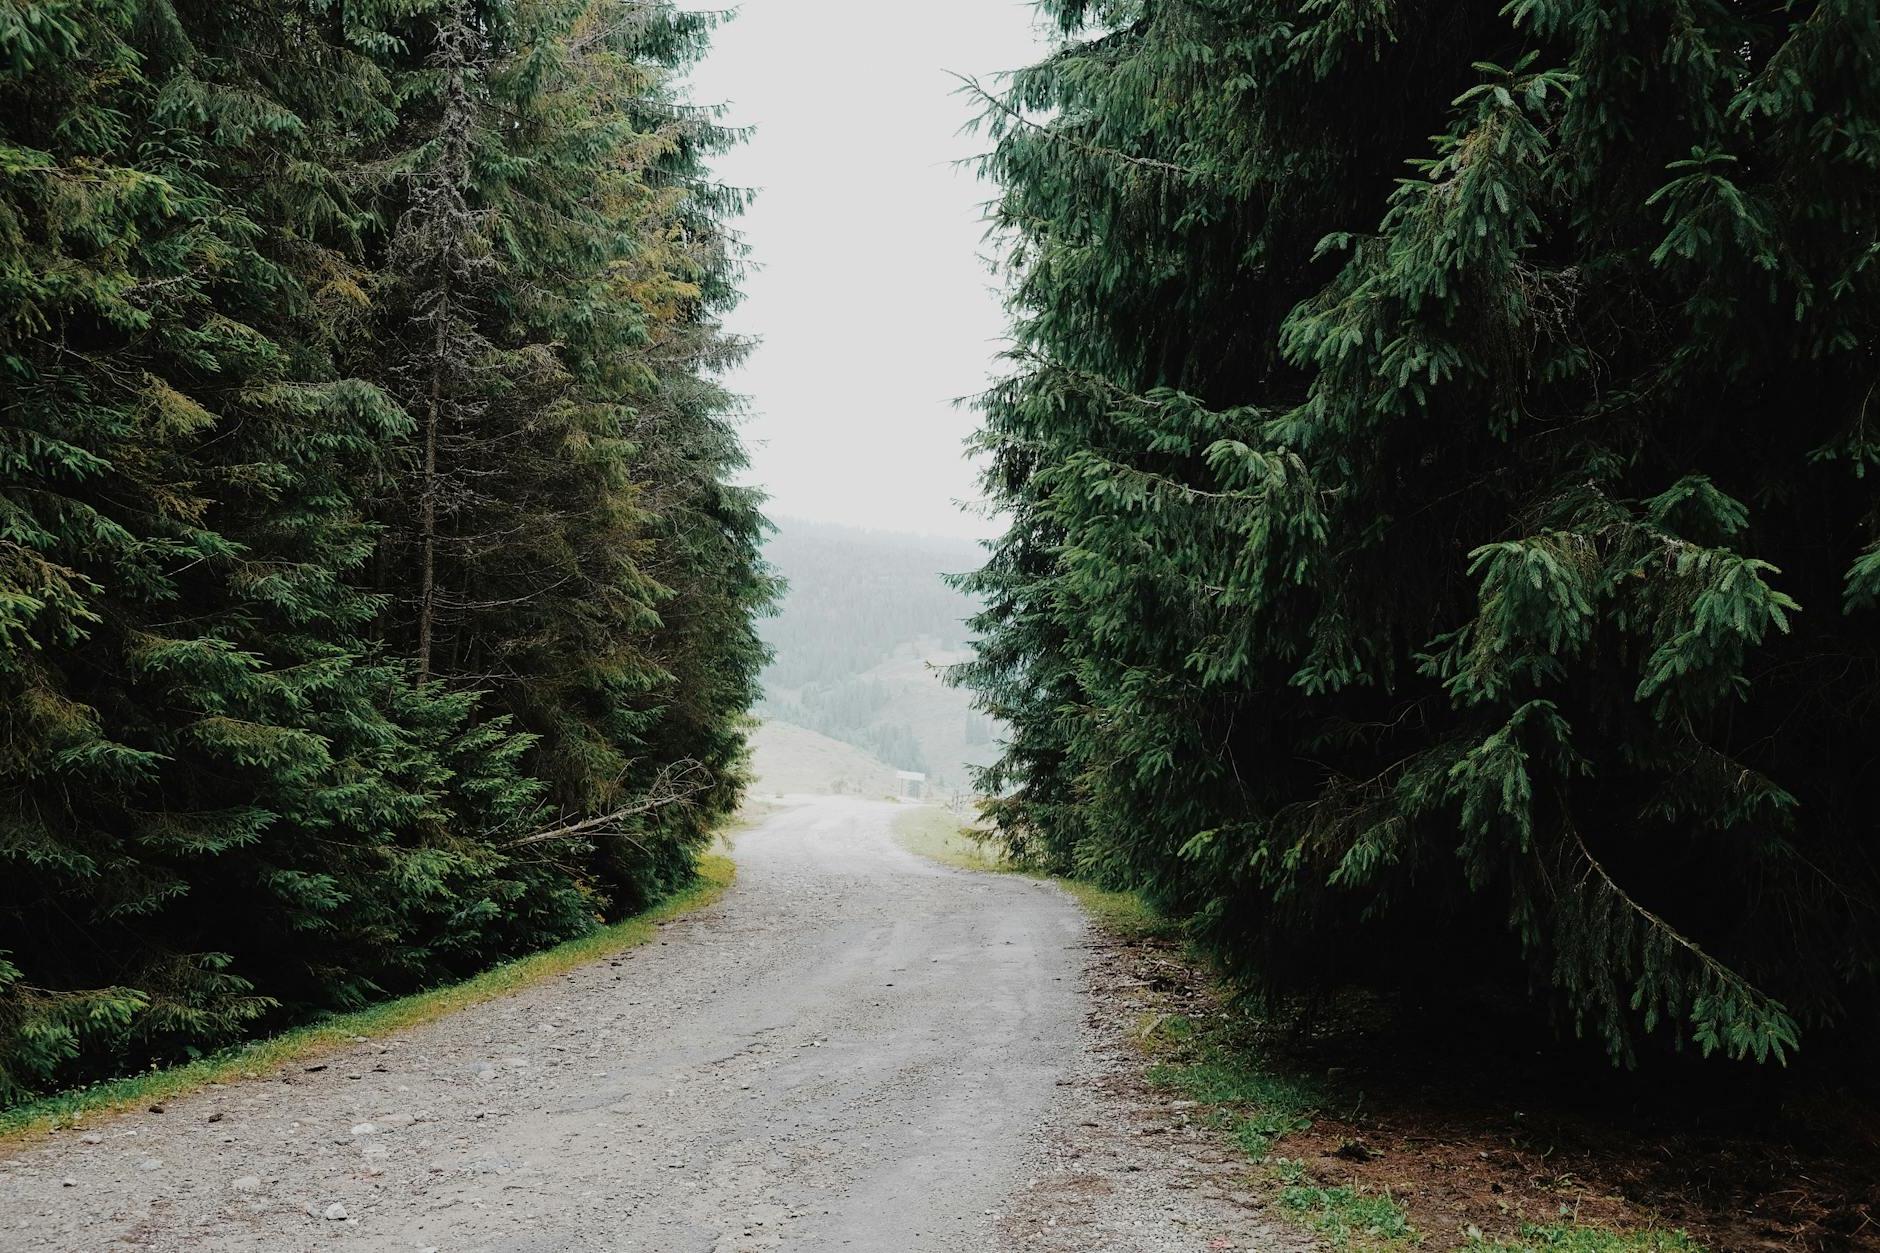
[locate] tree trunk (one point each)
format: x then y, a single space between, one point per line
427 502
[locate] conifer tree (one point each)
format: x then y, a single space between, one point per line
553 282
1439 559
176 549
238 785
706 533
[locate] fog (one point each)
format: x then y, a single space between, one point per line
870 297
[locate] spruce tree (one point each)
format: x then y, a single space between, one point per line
238 785
706 533
1436 456
183 707
556 263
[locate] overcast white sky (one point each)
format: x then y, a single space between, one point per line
870 300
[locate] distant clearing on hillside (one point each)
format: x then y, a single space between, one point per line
787 759
862 640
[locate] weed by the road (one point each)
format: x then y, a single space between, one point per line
65 1109
1123 914
1259 1104
1344 1216
1217 1063
939 834
1256 1103
1574 1239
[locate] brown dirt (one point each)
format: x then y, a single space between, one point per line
1125 1168
1473 1139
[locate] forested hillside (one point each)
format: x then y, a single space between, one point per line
373 604
861 639
1443 548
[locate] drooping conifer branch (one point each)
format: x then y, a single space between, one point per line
1546 427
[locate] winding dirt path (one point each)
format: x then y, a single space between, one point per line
855 1050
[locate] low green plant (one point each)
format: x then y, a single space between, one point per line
938 834
1572 1238
1214 1063
1346 1217
1125 914
65 1109
1258 1104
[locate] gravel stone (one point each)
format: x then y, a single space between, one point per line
759 1089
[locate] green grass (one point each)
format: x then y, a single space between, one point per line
1122 913
937 833
940 835
1219 1068
1259 1105
1256 1104
65 1109
1577 1239
1345 1217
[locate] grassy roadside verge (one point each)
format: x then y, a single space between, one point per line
250 1060
1311 1166
750 816
1279 1118
937 834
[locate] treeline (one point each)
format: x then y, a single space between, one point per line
858 606
1439 450
373 601
854 597
856 711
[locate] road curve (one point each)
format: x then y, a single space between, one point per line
849 1051
855 1049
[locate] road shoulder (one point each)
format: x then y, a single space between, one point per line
79 1108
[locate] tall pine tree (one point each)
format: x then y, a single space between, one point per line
239 785
1436 451
554 272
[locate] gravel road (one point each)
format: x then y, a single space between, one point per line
855 1049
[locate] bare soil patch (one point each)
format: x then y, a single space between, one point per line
1471 1140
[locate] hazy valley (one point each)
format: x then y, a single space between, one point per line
862 638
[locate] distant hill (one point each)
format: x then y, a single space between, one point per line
791 759
866 626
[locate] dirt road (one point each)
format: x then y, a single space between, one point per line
856 1049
